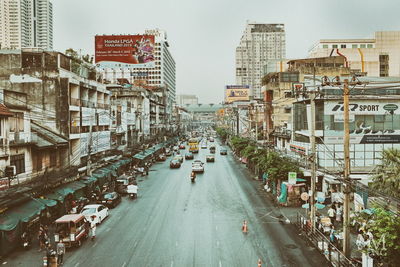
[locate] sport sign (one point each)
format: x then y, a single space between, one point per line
360 107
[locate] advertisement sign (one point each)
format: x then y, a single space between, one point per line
292 177
361 107
237 93
125 51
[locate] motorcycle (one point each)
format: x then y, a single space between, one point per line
132 195
26 242
193 178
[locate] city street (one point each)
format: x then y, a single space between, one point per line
177 223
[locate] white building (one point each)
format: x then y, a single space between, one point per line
26 23
182 100
260 43
163 74
378 56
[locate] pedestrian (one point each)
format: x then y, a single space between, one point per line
146 168
42 238
93 223
331 214
60 252
339 210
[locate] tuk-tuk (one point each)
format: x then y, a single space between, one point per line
72 229
122 183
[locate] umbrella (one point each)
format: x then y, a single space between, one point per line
319 206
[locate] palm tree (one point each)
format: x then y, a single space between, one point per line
387 174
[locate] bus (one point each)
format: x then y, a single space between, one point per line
193 145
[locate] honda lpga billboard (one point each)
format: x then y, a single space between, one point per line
124 51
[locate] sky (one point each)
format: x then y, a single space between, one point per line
203 34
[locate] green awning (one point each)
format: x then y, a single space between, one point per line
23 213
300 180
88 180
48 202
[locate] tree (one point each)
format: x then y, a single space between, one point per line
386 176
385 229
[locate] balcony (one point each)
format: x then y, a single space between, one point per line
75 130
75 102
19 138
88 104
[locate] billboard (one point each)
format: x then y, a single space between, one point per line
236 93
125 51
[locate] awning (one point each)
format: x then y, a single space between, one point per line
24 213
45 137
48 202
4 111
61 192
300 180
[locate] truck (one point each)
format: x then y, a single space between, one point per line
193 145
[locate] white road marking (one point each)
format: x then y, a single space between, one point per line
176 243
95 244
123 265
4 263
77 264
216 227
220 264
108 229
172 263
217 243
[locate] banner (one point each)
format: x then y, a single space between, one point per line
362 107
125 51
236 93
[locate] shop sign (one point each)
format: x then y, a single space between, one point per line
380 139
292 177
390 107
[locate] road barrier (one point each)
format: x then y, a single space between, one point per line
323 244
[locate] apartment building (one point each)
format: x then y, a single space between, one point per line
259 44
183 100
26 23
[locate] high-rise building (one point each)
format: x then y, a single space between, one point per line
183 100
260 43
162 75
26 23
378 56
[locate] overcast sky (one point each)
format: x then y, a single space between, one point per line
203 34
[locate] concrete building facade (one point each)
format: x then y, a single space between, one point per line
378 56
26 23
162 75
259 44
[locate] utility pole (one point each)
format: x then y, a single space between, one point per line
346 148
313 156
256 120
89 160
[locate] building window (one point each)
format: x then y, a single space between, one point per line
17 122
325 46
354 46
343 46
19 162
370 46
362 46
334 46
383 65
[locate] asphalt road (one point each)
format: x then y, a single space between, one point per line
176 223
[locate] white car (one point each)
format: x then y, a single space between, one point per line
100 211
197 166
204 145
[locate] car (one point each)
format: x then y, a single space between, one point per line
204 145
174 164
223 151
179 157
197 167
98 210
182 146
189 155
211 139
210 158
161 157
168 152
212 149
175 148
110 199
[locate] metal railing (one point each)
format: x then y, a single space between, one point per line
323 244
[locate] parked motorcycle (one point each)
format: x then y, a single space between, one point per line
26 241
